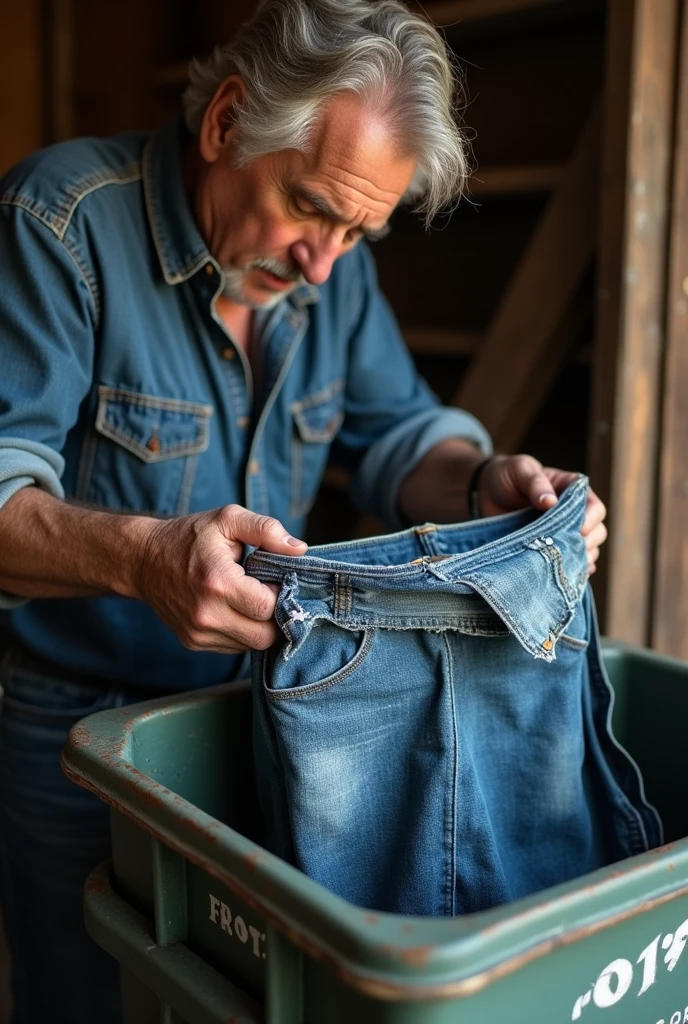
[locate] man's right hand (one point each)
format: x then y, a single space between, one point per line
190 574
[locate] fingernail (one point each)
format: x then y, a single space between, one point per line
294 542
547 497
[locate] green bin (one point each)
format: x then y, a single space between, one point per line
209 928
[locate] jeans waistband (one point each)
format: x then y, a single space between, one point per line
529 568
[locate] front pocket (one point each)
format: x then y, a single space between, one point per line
329 655
143 452
317 419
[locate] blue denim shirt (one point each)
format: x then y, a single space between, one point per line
121 388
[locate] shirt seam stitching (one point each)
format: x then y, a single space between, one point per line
25 204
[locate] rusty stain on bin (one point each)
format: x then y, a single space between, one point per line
253 859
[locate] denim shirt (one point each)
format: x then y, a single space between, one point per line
121 388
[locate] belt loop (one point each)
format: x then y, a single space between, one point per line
342 596
427 539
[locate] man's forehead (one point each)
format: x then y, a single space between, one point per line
356 158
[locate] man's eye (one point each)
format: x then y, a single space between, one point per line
302 207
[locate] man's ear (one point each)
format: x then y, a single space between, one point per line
218 125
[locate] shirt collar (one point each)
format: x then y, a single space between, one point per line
178 242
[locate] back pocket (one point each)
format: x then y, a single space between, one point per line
143 453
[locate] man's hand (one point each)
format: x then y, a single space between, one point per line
190 575
509 482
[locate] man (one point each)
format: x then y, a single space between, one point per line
191 326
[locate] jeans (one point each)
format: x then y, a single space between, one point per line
51 834
432 733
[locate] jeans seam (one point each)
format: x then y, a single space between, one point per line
450 885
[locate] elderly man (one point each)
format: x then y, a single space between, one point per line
191 327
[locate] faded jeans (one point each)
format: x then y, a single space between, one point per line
432 731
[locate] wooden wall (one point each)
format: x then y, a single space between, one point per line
21 81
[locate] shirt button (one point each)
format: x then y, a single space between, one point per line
228 353
254 468
209 269
153 444
243 422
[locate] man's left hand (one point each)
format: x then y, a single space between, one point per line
509 482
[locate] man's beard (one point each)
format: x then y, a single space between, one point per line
235 280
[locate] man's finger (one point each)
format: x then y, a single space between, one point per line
251 598
595 513
596 537
260 532
538 490
241 634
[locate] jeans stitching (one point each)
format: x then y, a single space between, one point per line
450 886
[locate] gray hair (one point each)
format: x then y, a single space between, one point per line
294 55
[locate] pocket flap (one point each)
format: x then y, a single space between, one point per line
318 417
152 428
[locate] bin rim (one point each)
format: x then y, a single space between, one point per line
389 956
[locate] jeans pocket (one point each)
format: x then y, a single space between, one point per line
329 655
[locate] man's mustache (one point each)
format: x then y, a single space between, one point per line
288 272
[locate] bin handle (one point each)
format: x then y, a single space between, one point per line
179 978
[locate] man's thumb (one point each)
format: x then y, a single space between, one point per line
263 532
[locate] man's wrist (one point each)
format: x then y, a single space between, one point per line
473 495
135 536
437 488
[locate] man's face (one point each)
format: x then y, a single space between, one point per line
286 218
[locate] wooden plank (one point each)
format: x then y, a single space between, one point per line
171 76
432 341
514 428
59 61
494 181
539 293
638 119
21 82
448 12
670 607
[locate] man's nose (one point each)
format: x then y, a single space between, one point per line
316 259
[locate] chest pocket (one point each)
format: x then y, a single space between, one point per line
143 453
317 419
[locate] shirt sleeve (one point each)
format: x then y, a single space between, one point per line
393 419
46 353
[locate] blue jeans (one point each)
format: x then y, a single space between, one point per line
51 834
432 734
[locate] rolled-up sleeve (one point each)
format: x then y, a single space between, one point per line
393 419
46 352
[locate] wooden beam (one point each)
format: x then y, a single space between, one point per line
632 259
539 293
433 341
494 181
670 607
59 47
514 428
448 12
